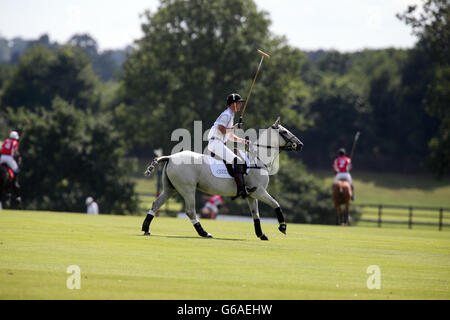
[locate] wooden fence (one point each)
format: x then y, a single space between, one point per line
410 215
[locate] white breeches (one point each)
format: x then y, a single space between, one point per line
221 150
10 162
343 176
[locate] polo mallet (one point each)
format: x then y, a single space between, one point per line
263 55
354 144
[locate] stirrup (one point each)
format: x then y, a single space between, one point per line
244 193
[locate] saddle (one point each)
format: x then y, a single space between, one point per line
221 169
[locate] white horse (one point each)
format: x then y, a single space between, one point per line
186 171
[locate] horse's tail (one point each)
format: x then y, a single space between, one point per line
155 163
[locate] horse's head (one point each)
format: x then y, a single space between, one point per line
288 141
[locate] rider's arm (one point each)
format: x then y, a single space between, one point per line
238 139
335 167
232 136
222 129
16 151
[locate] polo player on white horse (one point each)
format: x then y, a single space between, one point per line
186 171
223 130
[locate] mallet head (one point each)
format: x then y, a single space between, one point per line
263 54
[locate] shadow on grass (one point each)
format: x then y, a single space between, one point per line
190 237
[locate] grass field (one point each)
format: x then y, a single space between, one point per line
311 262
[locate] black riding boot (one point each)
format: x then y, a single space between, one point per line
353 193
242 189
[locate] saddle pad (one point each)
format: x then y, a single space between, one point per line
218 168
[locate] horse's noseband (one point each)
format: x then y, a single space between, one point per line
291 145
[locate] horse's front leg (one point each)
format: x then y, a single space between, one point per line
341 215
264 196
253 205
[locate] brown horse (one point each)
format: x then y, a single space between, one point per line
342 192
7 188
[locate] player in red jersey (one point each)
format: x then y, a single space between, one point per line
211 208
342 166
10 150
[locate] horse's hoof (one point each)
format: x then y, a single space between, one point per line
206 235
263 237
282 228
146 233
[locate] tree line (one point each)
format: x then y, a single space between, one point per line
191 56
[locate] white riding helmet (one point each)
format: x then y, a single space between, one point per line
14 135
89 200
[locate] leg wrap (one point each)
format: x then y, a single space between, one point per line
280 215
146 223
201 232
258 230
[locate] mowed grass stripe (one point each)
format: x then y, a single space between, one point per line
117 262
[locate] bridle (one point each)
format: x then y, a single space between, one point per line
291 144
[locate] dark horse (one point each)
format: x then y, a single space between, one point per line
7 188
342 192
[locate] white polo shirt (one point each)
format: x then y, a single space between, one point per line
225 119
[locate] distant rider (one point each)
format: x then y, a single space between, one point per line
223 130
211 208
10 150
342 166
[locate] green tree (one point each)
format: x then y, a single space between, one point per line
43 74
192 55
86 42
432 27
69 154
337 113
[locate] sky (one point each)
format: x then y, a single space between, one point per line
344 25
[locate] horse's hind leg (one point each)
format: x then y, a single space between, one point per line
189 202
346 214
336 208
158 203
253 205
168 191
